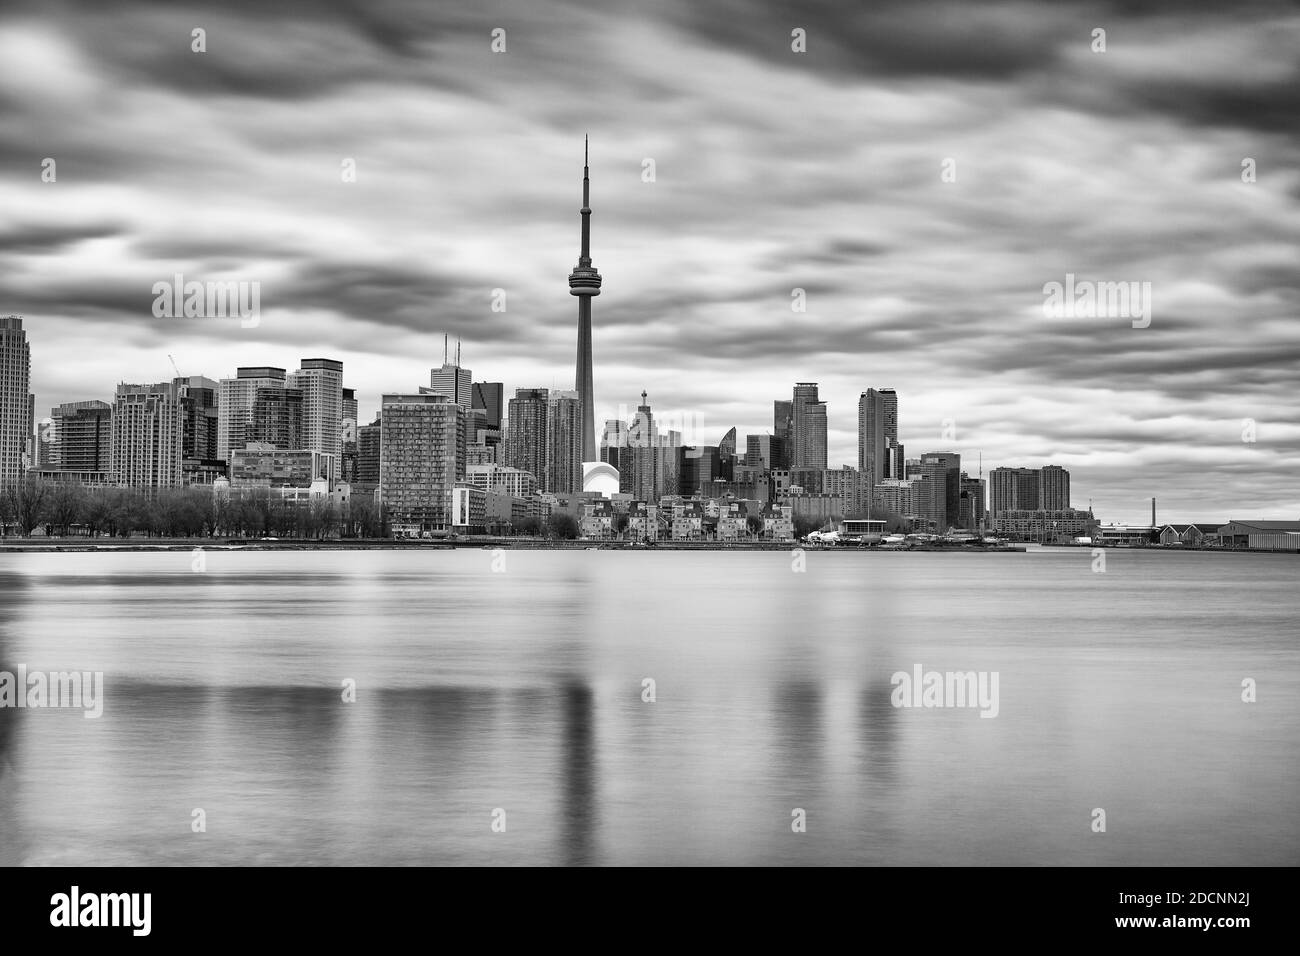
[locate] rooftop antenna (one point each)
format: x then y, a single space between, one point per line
444 348
458 353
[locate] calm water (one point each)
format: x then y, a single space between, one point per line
521 690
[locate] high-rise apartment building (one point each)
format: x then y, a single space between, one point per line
276 418
526 432
367 466
1055 488
80 437
235 405
321 382
422 458
148 435
16 401
564 424
1014 489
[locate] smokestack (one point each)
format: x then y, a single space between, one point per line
1153 512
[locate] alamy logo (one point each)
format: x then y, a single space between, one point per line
209 300
102 909
79 689
1091 300
946 689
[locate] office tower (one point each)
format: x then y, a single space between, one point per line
809 428
421 458
454 382
321 383
949 475
727 456
667 463
1055 488
526 441
613 441
81 436
235 404
782 433
1014 489
148 435
700 465
564 424
584 282
758 452
879 454
972 510
16 402
637 474
488 397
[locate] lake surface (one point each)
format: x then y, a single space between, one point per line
515 696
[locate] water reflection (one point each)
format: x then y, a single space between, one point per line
521 691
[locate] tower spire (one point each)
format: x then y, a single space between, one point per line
584 282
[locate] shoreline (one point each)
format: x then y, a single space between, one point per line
12 546
40 545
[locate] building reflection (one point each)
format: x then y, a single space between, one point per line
579 771
13 590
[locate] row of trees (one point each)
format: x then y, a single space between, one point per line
65 508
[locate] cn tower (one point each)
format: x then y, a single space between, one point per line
584 282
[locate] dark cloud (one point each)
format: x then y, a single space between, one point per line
774 171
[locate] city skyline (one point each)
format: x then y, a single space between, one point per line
930 287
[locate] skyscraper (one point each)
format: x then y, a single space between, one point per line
613 443
321 381
584 282
15 401
488 397
454 382
563 443
878 435
809 428
526 432
782 431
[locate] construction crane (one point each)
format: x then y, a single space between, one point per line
184 389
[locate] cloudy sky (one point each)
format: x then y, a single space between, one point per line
921 171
